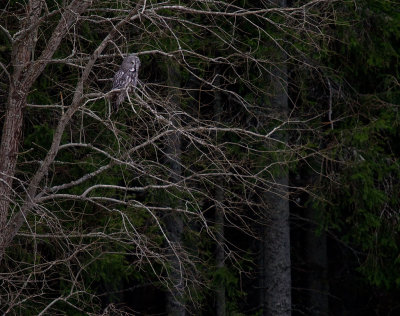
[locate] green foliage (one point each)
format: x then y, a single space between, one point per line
112 269
366 203
41 136
368 50
360 199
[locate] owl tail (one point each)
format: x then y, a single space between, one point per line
117 100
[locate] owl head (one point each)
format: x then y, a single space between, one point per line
131 63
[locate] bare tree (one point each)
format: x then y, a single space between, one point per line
97 166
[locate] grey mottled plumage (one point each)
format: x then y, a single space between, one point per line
125 79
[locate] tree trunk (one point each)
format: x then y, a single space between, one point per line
219 213
317 263
10 139
275 256
220 252
275 282
174 222
22 52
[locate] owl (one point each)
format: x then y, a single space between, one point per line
125 79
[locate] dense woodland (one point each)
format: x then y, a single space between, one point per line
254 170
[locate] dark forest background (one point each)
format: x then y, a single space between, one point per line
253 171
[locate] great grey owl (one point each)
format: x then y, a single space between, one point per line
125 79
